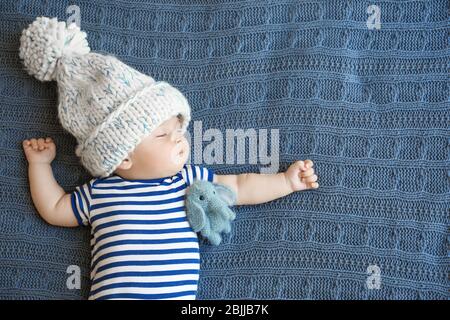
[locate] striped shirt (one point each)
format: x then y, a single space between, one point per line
142 244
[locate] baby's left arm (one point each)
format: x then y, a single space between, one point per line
253 188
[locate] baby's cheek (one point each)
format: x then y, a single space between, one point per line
162 154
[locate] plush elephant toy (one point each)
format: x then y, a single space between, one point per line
207 209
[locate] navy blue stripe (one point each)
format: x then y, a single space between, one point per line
132 231
210 175
205 173
147 296
186 173
145 274
146 263
136 212
143 241
144 285
141 194
85 211
139 203
143 252
116 178
194 173
119 200
150 182
132 186
74 208
89 189
80 204
116 223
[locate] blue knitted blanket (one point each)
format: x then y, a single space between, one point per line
360 87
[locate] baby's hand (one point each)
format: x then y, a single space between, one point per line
39 150
301 176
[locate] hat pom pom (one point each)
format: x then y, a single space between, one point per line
47 40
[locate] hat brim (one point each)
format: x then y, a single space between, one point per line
112 141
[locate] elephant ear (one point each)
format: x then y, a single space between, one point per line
196 216
225 193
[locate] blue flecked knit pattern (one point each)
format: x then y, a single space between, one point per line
370 108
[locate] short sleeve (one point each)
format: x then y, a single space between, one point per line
192 172
81 201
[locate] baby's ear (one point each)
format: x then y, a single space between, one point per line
125 164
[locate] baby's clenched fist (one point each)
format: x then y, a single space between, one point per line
300 176
39 150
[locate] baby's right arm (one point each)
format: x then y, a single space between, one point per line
50 200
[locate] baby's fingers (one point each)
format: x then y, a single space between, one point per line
307 173
34 144
41 145
312 178
38 144
308 164
314 185
27 145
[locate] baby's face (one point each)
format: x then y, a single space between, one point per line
161 154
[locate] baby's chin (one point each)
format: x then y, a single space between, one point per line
176 163
181 161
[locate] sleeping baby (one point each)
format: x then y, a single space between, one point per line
130 137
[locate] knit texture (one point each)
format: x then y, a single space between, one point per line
208 211
370 107
107 105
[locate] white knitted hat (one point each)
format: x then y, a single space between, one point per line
107 105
